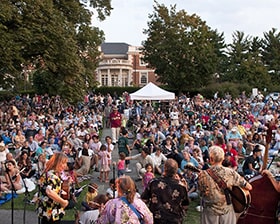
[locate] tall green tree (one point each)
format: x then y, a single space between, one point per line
184 51
237 53
245 63
52 37
271 54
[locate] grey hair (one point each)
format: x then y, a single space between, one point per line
216 153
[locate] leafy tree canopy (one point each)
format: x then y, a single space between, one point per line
183 50
53 37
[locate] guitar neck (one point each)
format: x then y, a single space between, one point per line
265 157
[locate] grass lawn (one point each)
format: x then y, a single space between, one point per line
193 217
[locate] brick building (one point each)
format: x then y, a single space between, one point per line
122 65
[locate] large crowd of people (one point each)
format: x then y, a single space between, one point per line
36 129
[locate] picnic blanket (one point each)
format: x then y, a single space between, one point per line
7 197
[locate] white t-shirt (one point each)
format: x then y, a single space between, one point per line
89 217
158 159
3 156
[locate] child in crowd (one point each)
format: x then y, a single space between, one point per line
90 195
111 192
104 163
71 172
148 176
121 164
110 148
124 147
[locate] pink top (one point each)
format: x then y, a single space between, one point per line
121 165
148 176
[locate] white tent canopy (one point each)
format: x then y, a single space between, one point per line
152 92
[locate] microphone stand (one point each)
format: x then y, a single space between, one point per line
114 176
13 191
26 195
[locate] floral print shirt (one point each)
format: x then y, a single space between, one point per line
46 206
166 198
118 212
213 197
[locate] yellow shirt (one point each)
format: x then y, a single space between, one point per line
241 130
90 196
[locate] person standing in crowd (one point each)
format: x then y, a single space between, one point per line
216 208
104 164
115 120
110 148
123 147
119 210
167 196
51 204
95 147
121 164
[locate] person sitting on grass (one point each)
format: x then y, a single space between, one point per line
111 192
142 158
90 195
13 179
91 216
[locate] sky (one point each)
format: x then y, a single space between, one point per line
129 18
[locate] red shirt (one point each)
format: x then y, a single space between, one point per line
116 119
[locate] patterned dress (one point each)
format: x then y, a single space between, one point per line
148 176
118 212
47 207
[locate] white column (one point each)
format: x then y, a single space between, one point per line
120 78
109 77
129 76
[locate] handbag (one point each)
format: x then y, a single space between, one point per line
139 215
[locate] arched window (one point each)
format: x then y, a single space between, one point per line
143 78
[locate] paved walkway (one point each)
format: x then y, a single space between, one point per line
31 216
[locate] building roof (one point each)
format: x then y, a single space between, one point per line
115 48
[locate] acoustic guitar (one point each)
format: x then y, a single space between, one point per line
240 198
